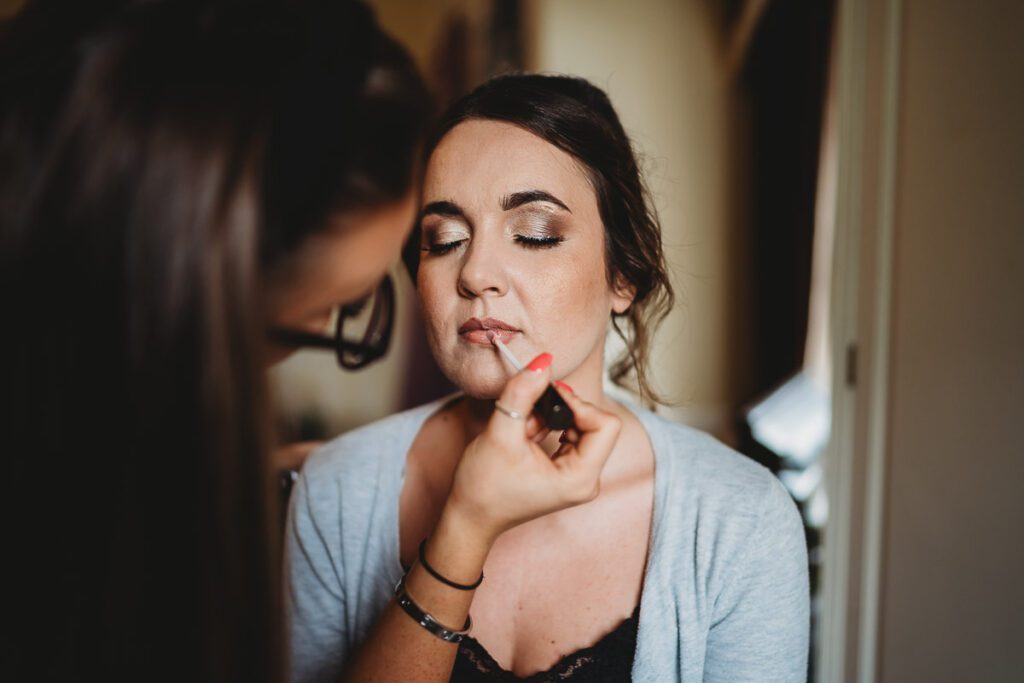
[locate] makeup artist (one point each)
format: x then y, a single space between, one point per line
187 191
176 178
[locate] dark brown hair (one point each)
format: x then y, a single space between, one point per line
579 119
348 125
140 513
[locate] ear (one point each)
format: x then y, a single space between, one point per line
623 294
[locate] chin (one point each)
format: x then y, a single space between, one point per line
482 393
482 388
483 381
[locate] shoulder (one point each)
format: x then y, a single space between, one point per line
367 448
358 470
732 549
722 496
701 463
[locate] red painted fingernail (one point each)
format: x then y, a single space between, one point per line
540 362
562 385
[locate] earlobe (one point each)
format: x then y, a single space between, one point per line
623 294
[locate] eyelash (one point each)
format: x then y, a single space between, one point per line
538 242
441 249
522 240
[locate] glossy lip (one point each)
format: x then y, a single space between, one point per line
478 331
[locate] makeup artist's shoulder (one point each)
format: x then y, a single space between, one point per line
368 446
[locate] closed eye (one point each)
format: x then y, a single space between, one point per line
444 247
538 242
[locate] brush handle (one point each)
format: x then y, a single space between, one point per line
553 409
509 356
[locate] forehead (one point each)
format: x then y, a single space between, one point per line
481 161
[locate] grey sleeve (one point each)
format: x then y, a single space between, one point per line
313 592
761 620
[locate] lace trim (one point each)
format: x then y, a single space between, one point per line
615 649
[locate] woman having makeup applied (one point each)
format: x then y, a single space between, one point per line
418 549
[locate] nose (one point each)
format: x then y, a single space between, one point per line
482 272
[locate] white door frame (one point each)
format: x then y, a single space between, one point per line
868 93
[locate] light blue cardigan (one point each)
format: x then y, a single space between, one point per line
725 593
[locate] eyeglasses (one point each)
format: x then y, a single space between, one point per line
362 332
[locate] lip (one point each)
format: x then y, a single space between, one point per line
478 331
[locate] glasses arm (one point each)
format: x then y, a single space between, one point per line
287 337
351 355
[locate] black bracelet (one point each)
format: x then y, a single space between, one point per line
426 620
448 582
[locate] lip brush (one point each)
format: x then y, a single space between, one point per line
509 356
551 407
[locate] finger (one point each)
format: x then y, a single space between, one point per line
598 432
562 387
519 395
587 416
291 456
563 448
536 430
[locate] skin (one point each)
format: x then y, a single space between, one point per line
555 583
493 271
339 264
503 480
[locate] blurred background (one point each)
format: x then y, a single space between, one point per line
841 191
724 103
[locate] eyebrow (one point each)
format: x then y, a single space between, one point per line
517 199
442 208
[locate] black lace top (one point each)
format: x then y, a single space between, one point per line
609 660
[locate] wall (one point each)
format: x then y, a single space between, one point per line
662 63
952 598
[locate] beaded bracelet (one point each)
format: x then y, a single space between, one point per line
446 581
426 620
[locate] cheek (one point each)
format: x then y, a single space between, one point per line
436 294
571 294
